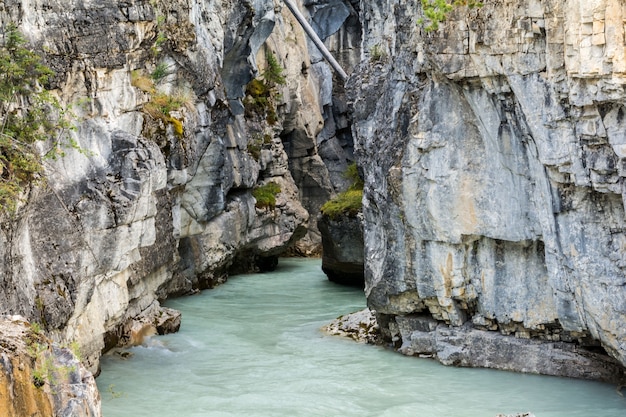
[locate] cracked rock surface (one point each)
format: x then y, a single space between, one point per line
493 152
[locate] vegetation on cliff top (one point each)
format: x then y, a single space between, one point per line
28 114
349 202
436 11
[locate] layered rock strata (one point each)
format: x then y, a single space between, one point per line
157 198
468 346
493 158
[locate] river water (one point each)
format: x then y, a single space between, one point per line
253 347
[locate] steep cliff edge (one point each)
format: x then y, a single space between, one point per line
318 161
159 199
493 150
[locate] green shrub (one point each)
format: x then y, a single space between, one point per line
261 93
352 174
273 74
258 142
349 202
160 106
436 11
265 195
161 36
257 97
254 149
28 114
377 53
36 328
159 72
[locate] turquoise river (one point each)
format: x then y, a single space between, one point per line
253 347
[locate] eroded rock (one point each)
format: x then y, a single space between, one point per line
469 347
360 326
158 199
40 378
342 255
492 161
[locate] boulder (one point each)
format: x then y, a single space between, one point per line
41 378
342 243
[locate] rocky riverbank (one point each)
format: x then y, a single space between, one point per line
39 378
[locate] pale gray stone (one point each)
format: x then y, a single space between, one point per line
146 212
360 326
493 161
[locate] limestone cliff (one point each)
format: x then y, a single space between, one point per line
158 199
493 150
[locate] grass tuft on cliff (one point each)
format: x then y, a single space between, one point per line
265 195
161 104
436 11
262 94
350 202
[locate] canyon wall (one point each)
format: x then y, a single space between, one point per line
318 163
155 197
493 152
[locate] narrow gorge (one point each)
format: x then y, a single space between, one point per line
206 136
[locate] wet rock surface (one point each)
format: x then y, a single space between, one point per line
360 326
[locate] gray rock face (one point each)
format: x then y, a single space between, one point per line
467 346
342 240
492 152
160 202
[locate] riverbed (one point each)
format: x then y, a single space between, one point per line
253 347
